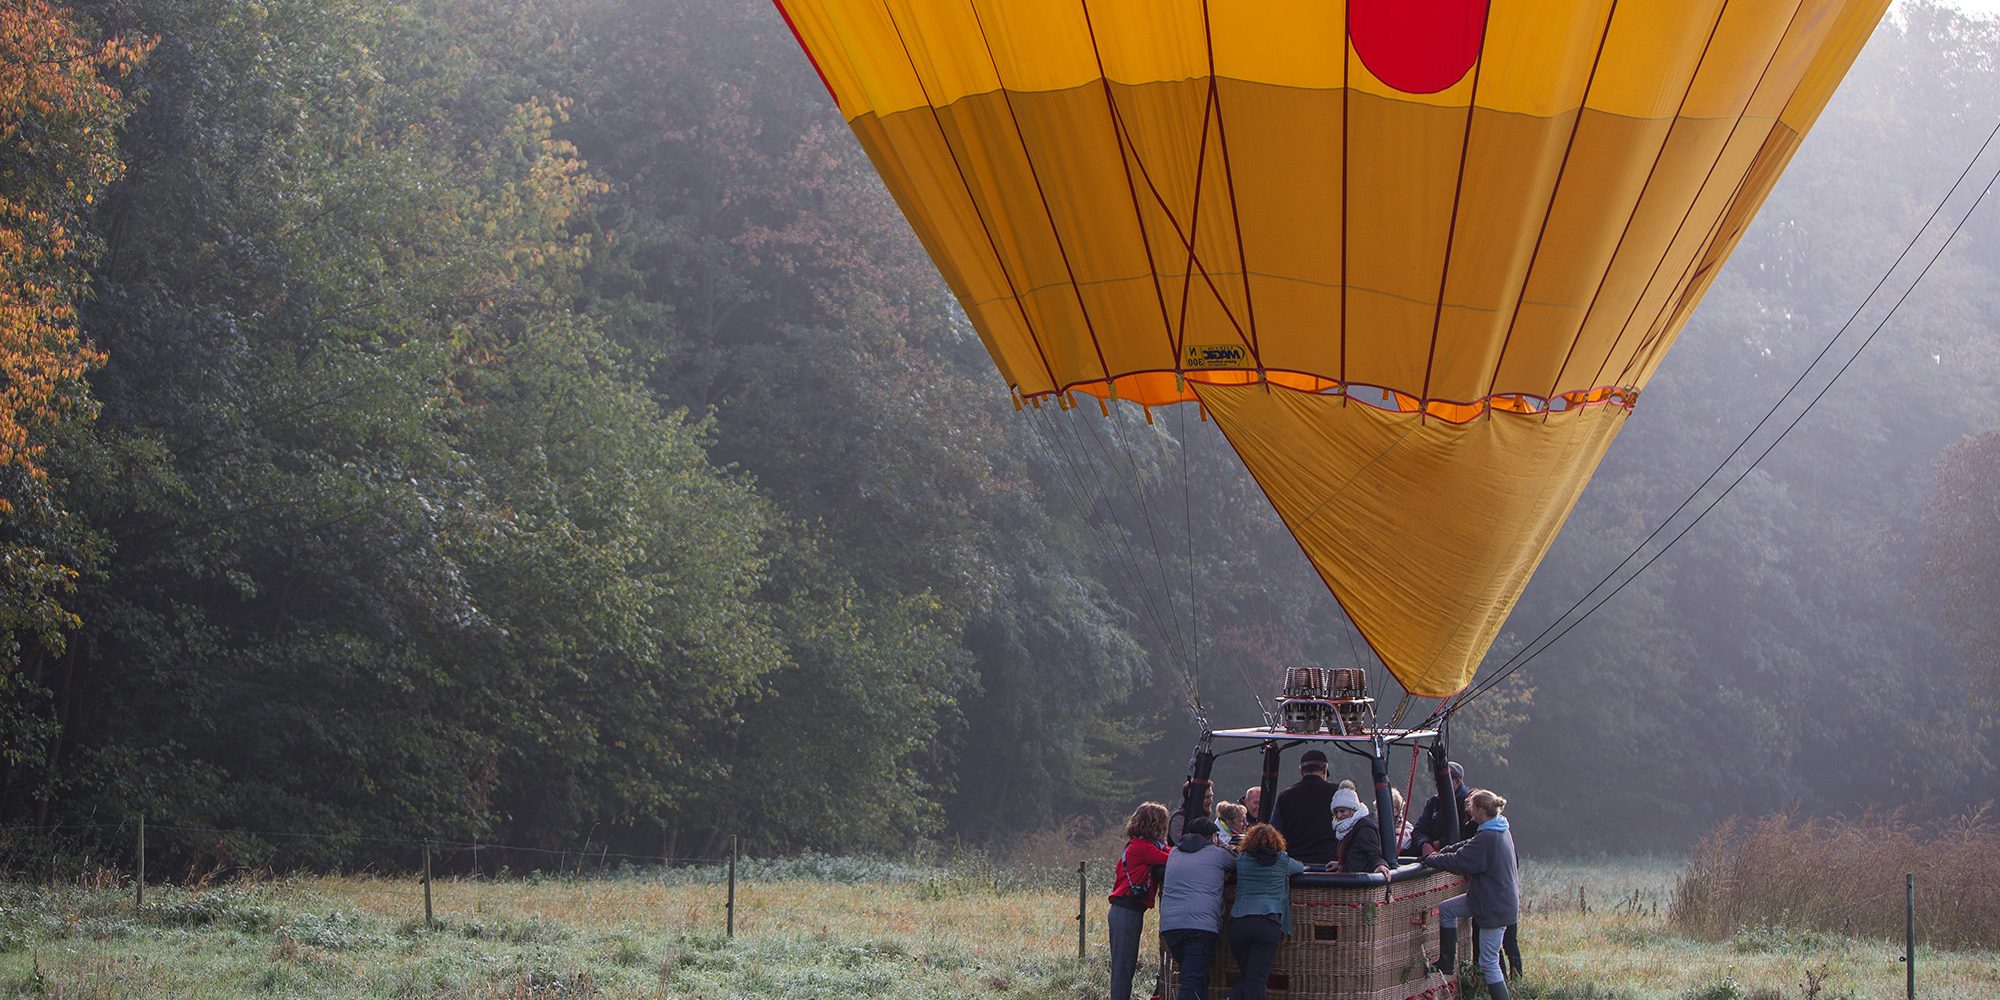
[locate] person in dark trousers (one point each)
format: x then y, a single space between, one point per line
1430 831
1262 915
1135 885
1492 888
1191 903
1357 836
1304 812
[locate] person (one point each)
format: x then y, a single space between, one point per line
1303 814
1430 833
1177 823
1510 951
1262 914
1492 888
1359 848
1191 903
1252 798
1231 822
1135 885
1406 831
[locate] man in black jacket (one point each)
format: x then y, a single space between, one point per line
1304 813
1429 833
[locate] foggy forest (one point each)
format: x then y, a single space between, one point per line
535 423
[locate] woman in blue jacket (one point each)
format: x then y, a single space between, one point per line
1263 910
1492 888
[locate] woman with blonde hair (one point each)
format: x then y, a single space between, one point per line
1262 914
1233 819
1134 888
1492 888
1407 833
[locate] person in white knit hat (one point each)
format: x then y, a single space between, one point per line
1358 836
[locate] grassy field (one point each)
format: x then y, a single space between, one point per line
820 928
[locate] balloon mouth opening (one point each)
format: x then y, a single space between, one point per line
1171 386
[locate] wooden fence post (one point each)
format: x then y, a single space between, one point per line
730 906
139 884
1082 891
428 921
1910 935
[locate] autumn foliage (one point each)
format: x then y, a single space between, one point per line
58 150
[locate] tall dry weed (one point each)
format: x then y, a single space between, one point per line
1099 840
1846 877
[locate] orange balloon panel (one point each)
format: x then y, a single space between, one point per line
1477 212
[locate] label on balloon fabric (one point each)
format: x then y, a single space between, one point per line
1215 356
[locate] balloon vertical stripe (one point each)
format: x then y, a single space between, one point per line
1418 257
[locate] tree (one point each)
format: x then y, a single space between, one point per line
59 118
1965 551
399 544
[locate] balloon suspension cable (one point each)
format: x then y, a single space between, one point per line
1071 473
1194 601
1190 667
1438 719
1401 707
1532 650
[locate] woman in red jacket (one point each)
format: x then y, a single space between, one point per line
1134 889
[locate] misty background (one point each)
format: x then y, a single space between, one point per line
535 424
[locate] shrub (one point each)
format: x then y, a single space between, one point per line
336 931
1754 880
1721 989
222 908
516 930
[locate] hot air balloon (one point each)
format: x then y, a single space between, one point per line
1417 258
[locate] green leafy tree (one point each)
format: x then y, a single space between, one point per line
1965 552
401 546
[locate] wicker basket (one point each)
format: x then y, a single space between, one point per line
1349 942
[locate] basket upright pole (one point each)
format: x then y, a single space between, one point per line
1447 795
1385 802
1267 798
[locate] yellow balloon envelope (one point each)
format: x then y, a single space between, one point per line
1418 257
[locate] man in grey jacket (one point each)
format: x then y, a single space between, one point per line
1492 889
1191 903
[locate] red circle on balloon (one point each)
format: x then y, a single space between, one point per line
1417 46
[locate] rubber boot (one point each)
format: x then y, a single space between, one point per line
1447 961
1497 989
